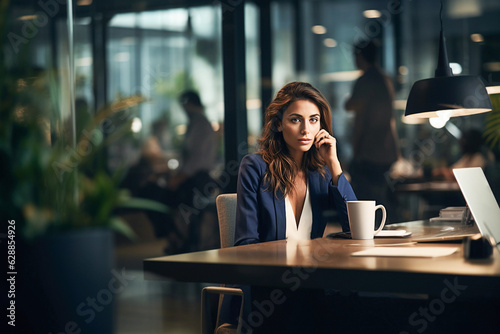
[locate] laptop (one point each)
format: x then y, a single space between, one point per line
480 200
482 204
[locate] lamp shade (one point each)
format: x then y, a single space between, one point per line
447 96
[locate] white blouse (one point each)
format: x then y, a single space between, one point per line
303 231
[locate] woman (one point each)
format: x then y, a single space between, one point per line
296 175
284 189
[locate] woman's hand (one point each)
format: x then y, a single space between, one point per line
327 148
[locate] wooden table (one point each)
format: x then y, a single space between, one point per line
327 263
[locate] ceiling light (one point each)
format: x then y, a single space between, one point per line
330 42
443 116
457 95
27 17
343 76
319 29
456 68
136 125
84 62
372 14
462 9
478 38
84 2
438 122
403 70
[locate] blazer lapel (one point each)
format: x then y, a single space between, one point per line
279 209
314 189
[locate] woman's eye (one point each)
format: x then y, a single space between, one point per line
314 120
295 120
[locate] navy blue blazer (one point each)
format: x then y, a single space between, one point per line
260 216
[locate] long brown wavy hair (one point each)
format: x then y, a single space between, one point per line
281 166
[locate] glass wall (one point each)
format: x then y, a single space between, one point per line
284 43
159 55
253 76
408 32
160 51
84 76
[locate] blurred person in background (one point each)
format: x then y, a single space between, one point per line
374 135
183 189
199 148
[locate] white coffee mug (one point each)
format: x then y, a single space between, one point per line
362 219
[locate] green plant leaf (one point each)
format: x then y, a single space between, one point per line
120 226
144 204
492 127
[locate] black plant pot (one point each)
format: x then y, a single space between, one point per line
67 283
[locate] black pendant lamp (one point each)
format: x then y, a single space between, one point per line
447 95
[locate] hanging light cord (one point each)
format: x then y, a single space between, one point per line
443 67
441 15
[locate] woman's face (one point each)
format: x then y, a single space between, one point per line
301 123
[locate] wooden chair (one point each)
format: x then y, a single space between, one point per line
226 212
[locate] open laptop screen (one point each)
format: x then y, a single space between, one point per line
480 200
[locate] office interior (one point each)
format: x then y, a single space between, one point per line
72 60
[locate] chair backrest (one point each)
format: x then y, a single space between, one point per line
226 212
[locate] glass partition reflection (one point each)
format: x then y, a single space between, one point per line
160 54
157 54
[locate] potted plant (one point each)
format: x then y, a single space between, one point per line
492 137
492 128
60 203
